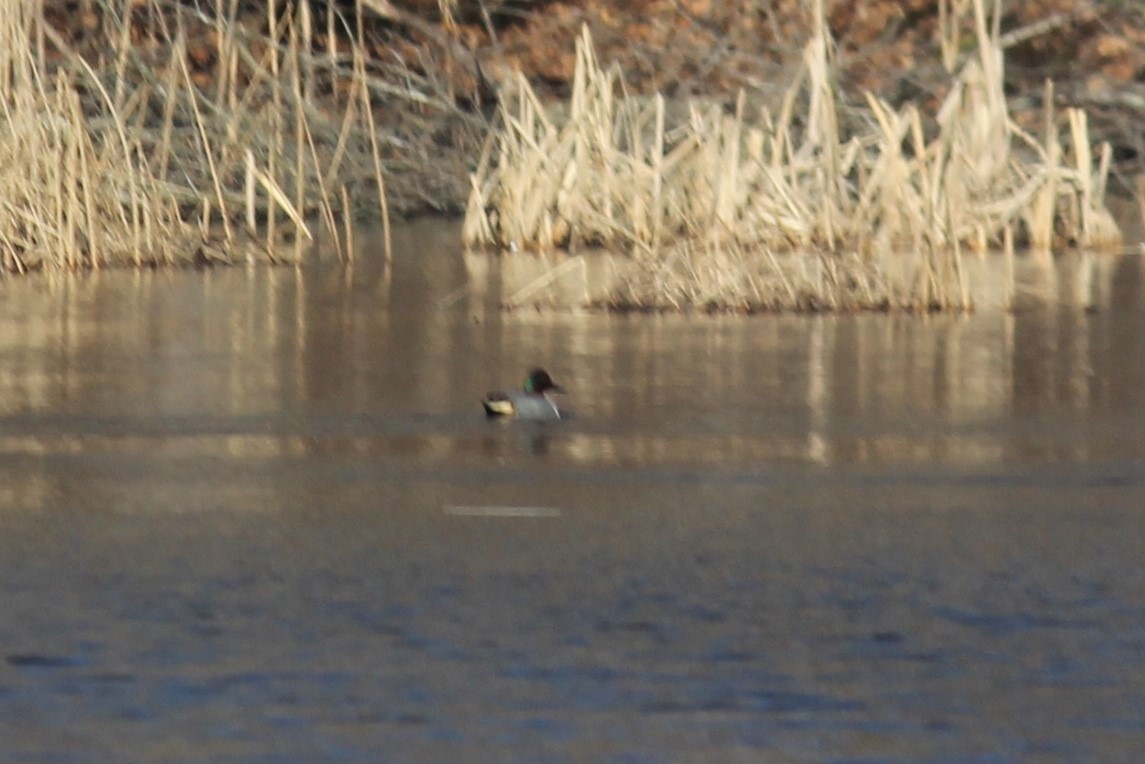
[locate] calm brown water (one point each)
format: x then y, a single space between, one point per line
257 516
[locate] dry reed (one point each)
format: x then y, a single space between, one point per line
146 157
785 211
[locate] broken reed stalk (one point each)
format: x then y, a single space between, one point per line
102 166
881 225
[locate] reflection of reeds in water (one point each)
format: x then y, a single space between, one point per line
785 211
140 160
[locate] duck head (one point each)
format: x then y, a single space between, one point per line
539 382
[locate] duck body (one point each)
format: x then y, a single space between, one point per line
532 402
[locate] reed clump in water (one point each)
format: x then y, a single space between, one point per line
180 135
785 211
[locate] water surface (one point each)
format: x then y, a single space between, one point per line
257 515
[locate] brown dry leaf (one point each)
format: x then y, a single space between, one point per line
201 54
202 79
641 33
697 7
1119 71
1111 45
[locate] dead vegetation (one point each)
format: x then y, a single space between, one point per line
170 131
785 208
162 132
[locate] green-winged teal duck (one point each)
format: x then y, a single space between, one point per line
533 402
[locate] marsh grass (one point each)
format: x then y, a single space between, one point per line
784 210
133 152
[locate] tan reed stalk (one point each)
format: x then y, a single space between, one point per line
283 202
224 46
375 155
305 20
250 193
1082 227
134 201
657 168
69 182
205 143
171 84
348 221
325 203
297 88
1040 214
275 117
94 233
122 48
